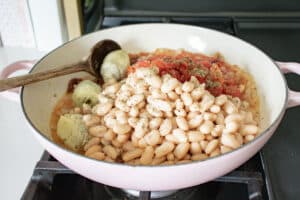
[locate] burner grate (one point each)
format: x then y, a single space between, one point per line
47 169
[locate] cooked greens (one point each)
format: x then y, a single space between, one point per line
115 65
72 131
86 92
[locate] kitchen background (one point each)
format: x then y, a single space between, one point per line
31 28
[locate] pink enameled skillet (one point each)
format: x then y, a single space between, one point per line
38 100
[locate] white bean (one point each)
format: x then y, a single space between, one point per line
199 156
158 161
111 151
178 90
134 111
162 105
141 105
211 146
249 138
145 114
169 85
122 105
203 144
122 138
121 117
195 136
141 128
142 143
182 123
140 87
165 127
147 156
191 115
127 146
197 93
130 155
155 123
207 102
103 108
206 127
187 99
217 131
233 117
112 89
132 121
97 131
109 135
195 148
157 94
215 109
154 81
230 108
220 118
145 72
93 149
103 98
209 116
93 141
152 138
121 128
135 99
231 127
225 149
171 138
154 111
187 86
126 87
116 143
220 100
195 107
216 152
181 150
164 149
179 135
91 120
180 112
170 157
230 141
172 95
195 121
97 155
249 129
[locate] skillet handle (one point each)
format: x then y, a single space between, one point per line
13 94
291 67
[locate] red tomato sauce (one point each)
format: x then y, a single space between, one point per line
218 76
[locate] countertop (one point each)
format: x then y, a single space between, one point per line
19 151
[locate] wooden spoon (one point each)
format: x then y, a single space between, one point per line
91 65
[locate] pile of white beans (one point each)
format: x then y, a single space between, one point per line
146 119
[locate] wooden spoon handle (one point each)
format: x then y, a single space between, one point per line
9 83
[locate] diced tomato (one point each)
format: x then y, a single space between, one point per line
206 63
181 66
200 79
232 90
216 91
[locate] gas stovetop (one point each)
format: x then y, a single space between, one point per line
270 175
51 180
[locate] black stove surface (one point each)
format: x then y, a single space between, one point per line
51 180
